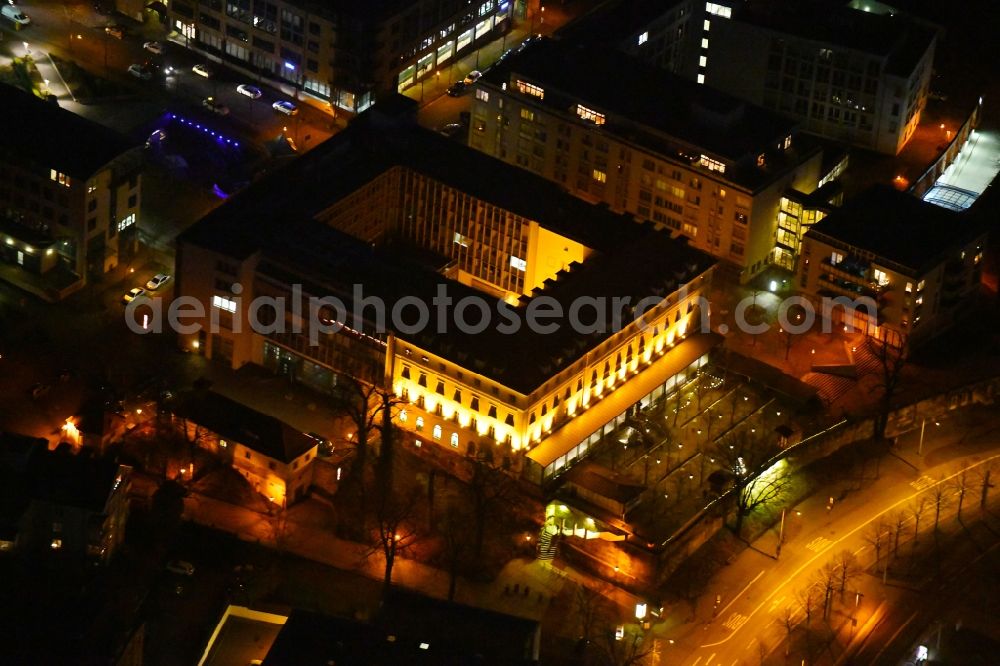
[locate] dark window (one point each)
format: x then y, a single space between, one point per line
133 181
313 28
312 46
209 21
92 205
312 65
132 200
91 224
263 44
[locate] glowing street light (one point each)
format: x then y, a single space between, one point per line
640 611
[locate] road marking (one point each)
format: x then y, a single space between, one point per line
733 600
819 544
735 621
698 660
710 658
812 560
750 644
860 550
775 604
923 482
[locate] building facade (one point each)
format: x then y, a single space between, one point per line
70 197
703 165
342 52
909 269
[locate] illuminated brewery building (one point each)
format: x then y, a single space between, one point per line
403 211
611 129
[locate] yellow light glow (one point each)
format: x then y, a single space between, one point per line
70 431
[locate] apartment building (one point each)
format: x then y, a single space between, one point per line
619 132
340 51
70 197
402 213
911 268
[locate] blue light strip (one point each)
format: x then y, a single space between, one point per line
206 130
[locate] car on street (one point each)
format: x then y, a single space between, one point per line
286 108
154 47
472 77
156 138
157 281
451 129
202 70
140 72
116 31
180 567
253 92
215 106
134 293
456 89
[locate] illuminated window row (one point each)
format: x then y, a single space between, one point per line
225 304
590 114
530 89
718 10
712 165
59 177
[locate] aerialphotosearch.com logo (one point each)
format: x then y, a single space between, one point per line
471 314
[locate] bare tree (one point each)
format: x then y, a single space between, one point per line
848 568
898 522
808 599
825 581
759 475
982 477
394 533
960 485
490 489
876 535
593 610
939 499
456 546
631 649
891 361
917 508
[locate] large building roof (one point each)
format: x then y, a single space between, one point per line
897 226
48 137
238 423
641 99
273 217
609 23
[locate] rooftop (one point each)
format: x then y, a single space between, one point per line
273 217
235 421
833 22
897 226
611 22
48 137
642 101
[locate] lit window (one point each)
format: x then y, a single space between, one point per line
482 95
788 142
712 165
643 38
704 42
702 61
420 423
223 443
437 432
527 114
223 303
920 285
836 258
518 263
461 240
706 25
403 416
909 287
529 89
59 177
881 278
600 176
761 160
919 300
56 544
454 440
126 222
718 10
701 78
590 114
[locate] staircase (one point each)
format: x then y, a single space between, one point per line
547 542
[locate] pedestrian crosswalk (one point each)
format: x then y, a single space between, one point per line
923 482
735 621
818 544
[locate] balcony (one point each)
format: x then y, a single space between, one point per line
850 266
850 288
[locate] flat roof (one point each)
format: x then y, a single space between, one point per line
635 95
596 416
897 226
48 137
611 22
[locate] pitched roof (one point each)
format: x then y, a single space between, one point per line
235 421
49 137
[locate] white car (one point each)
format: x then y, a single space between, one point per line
286 108
154 47
157 281
180 567
472 77
133 294
253 92
15 15
215 107
139 72
201 70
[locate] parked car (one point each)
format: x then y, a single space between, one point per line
38 390
215 106
134 293
139 72
451 129
202 70
154 47
456 89
157 281
286 108
156 138
180 567
472 77
116 31
253 92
